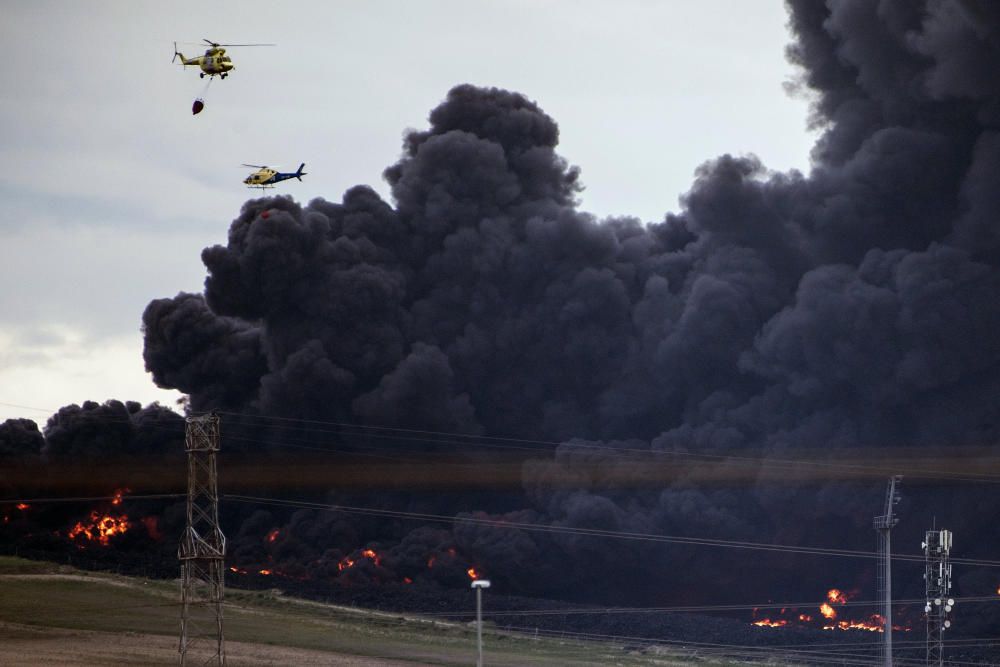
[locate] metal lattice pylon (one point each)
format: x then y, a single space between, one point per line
884 524
937 577
202 549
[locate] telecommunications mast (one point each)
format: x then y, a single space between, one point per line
883 524
937 577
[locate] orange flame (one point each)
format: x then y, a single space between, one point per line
828 621
348 562
472 573
100 529
273 535
266 573
875 623
22 506
237 570
118 495
407 580
858 625
431 561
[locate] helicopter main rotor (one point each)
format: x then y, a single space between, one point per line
215 45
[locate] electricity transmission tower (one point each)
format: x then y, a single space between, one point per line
883 524
937 577
202 549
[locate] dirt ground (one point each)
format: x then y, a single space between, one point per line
26 646
65 617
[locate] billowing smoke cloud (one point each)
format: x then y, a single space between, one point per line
835 314
847 310
20 447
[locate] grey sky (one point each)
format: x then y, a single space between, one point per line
111 187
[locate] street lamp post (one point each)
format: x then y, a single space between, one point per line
479 585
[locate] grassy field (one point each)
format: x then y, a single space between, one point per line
54 615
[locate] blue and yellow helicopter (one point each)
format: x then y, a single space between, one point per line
265 177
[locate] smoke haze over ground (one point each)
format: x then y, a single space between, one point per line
846 314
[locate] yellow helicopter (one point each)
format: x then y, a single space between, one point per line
265 177
214 62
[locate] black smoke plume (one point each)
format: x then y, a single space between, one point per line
847 314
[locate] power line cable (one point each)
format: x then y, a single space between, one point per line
754 650
575 611
504 443
700 647
593 532
83 499
466 438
